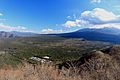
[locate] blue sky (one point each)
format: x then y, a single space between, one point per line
56 16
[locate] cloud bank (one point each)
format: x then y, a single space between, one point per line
11 28
96 18
50 31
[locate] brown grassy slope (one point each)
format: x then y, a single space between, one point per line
97 65
40 72
102 65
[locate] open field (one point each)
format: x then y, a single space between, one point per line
14 50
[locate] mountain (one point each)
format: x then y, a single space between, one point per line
102 34
113 31
24 34
4 34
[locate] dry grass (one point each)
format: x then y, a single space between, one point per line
92 70
38 72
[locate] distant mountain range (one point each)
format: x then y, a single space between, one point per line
12 34
4 34
24 34
101 34
112 31
93 34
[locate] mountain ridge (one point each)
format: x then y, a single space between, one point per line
94 34
102 34
12 34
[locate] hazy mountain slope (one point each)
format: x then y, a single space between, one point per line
24 34
103 34
4 34
112 31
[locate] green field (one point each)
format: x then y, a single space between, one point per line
14 50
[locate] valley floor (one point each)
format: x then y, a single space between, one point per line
79 59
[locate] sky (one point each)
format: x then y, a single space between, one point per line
58 16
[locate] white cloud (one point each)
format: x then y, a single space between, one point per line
50 31
100 14
70 24
110 25
11 28
68 17
1 18
96 18
74 16
1 14
95 1
76 23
